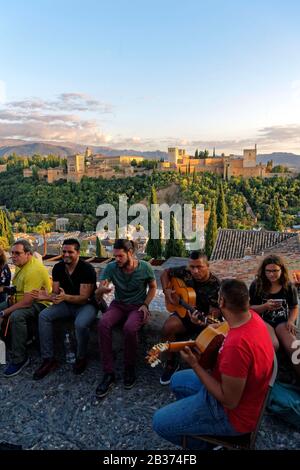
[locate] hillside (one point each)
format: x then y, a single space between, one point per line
23 148
280 158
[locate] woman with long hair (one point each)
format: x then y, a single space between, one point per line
275 298
5 275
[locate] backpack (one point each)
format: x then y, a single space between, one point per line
284 401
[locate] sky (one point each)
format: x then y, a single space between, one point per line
150 74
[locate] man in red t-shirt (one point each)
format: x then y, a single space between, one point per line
227 401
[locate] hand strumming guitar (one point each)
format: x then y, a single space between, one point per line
171 296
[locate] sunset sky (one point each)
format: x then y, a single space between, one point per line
146 75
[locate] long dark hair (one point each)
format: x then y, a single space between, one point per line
3 259
262 282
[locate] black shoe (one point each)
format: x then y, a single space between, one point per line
48 365
79 366
103 388
129 378
169 370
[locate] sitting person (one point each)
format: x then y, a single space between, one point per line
275 298
206 285
30 274
74 283
5 276
228 401
131 279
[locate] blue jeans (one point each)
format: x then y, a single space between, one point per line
84 315
195 412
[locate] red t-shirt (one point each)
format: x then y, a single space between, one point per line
247 352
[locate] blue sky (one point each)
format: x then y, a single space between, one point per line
149 74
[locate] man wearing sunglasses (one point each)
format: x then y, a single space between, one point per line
74 283
30 274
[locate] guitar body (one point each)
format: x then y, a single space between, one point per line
209 341
185 294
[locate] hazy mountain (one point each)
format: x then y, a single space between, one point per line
24 148
280 158
63 149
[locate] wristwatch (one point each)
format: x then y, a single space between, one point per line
1 314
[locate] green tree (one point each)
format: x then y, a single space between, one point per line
221 208
5 229
43 228
100 250
196 154
174 246
276 220
117 236
154 246
84 248
211 230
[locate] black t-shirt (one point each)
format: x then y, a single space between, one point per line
206 292
84 273
289 295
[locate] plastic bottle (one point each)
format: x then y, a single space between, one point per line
2 352
70 355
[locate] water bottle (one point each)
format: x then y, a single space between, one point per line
2 352
70 355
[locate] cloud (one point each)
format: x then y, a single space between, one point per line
63 119
64 102
76 117
277 134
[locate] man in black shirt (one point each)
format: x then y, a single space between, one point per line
74 283
206 285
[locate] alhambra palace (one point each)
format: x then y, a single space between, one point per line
95 166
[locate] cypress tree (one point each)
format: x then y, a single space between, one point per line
154 246
174 247
221 208
211 230
276 221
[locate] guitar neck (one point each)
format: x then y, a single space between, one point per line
187 306
179 345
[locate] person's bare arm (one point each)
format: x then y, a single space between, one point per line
86 291
228 392
24 303
170 294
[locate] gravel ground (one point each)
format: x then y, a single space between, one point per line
61 412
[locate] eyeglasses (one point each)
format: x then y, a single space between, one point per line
17 253
270 271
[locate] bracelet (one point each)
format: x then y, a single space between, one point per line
1 314
146 305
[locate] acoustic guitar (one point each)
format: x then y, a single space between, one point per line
187 297
208 342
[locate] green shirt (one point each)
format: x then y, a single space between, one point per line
33 275
130 288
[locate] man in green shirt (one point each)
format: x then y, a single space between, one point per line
135 288
30 274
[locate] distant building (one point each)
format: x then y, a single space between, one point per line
90 165
61 224
225 166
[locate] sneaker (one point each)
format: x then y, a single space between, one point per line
48 365
14 369
79 366
129 378
103 388
169 370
